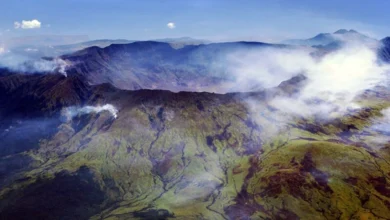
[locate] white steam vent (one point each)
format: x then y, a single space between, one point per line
71 112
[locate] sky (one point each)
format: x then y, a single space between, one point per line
216 20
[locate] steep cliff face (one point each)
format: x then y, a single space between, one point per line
162 155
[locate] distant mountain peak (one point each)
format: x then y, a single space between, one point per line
322 36
332 39
386 40
345 31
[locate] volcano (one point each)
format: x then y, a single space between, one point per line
116 139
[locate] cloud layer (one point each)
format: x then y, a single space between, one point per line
27 24
333 79
20 63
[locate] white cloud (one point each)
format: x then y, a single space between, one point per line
21 63
379 129
27 24
31 50
171 25
333 80
71 112
17 25
382 124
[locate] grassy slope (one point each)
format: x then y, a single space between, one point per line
197 155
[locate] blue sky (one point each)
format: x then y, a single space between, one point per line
218 20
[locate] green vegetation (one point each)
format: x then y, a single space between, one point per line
206 156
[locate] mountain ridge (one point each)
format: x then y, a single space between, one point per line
151 64
324 39
166 153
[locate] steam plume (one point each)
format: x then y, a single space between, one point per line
21 63
71 112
